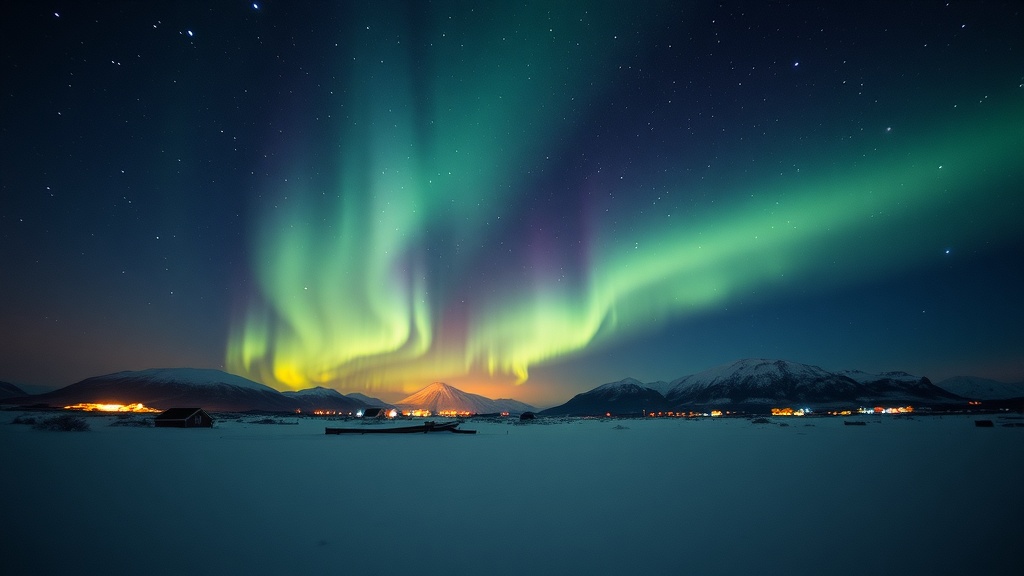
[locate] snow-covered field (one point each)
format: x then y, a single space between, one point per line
929 495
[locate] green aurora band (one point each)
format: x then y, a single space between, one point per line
813 231
359 285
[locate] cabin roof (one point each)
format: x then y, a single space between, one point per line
179 413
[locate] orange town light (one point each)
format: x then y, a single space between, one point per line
95 407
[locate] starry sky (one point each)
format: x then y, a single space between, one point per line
521 199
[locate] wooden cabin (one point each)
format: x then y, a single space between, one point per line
184 418
372 413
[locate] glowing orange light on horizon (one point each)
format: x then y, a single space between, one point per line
789 412
453 413
94 407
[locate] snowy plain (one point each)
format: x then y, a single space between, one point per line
927 495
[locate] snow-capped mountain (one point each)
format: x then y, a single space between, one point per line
317 392
321 398
624 397
866 378
887 386
193 376
762 382
982 388
756 384
168 388
439 397
660 385
219 391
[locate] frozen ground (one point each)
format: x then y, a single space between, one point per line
932 495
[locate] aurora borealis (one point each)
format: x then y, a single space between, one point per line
521 200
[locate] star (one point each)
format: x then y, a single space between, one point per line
526 248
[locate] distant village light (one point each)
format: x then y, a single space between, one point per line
883 410
94 407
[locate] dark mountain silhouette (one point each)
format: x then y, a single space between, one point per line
164 388
626 397
8 390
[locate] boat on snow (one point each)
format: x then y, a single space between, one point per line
416 429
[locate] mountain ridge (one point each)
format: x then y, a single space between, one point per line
8 390
215 390
751 381
982 388
164 388
368 400
440 397
626 396
756 384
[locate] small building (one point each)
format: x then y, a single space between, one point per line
184 418
375 413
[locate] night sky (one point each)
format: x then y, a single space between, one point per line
523 200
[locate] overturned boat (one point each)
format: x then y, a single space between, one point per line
417 429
